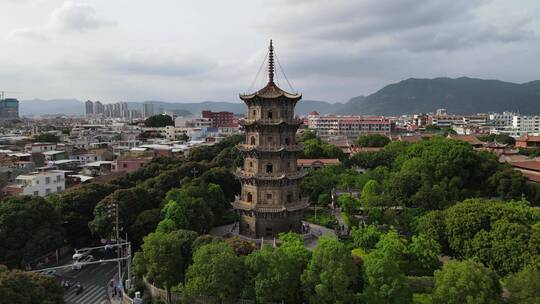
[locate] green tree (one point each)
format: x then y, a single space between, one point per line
77 209
465 282
158 121
372 140
524 286
307 135
145 223
189 212
320 181
46 137
365 237
216 271
331 275
131 202
225 180
423 255
385 283
165 257
240 246
29 288
432 225
277 271
29 228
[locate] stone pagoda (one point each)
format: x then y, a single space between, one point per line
270 201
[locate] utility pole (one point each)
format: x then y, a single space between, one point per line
118 248
194 171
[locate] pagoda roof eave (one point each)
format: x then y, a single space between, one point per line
270 91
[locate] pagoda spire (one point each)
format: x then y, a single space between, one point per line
271 63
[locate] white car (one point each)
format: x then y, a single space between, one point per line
78 265
50 272
80 254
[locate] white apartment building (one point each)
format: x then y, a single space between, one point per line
501 120
41 183
526 124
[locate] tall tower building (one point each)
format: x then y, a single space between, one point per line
270 201
99 108
89 108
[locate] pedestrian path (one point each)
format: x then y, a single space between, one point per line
92 294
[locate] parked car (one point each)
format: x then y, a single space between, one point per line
50 272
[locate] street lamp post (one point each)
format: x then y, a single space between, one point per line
118 249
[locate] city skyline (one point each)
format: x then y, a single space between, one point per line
171 51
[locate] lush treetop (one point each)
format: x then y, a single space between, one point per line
158 121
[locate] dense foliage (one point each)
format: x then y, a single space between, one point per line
372 140
29 228
29 288
46 137
158 121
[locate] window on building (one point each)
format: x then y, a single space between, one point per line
286 140
124 165
47 180
269 116
268 196
270 139
289 197
58 189
58 178
249 197
251 164
36 193
252 140
269 168
254 112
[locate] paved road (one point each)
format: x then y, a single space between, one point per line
94 279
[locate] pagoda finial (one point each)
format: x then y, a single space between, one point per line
271 63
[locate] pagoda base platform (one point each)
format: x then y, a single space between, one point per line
270 226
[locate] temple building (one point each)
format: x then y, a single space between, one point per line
270 201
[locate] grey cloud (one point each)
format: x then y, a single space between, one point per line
77 16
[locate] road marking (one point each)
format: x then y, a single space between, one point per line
90 295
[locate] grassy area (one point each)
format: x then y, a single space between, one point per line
421 298
321 216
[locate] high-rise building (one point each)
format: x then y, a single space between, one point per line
89 108
270 201
9 108
99 108
148 109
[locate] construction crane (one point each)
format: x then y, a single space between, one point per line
3 93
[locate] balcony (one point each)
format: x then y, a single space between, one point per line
271 148
252 206
269 121
270 176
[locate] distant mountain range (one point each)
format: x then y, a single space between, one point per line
457 95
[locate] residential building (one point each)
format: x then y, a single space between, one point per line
99 108
307 163
528 141
39 183
148 109
219 119
349 125
526 124
89 108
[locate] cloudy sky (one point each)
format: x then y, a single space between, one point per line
174 50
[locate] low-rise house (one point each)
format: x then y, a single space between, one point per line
54 155
316 163
130 163
530 169
97 168
40 147
471 139
40 183
528 141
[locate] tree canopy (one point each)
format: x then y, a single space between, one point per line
29 288
29 228
158 121
373 140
